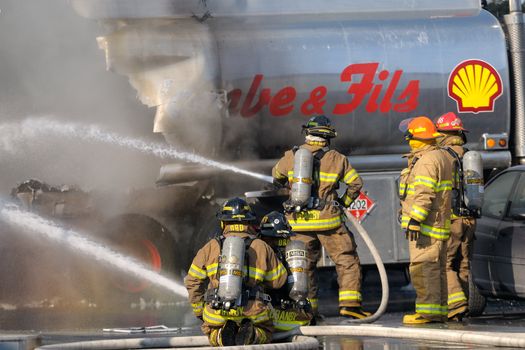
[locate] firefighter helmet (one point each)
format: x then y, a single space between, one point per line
450 122
320 126
235 210
421 128
274 224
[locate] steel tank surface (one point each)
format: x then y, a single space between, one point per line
244 84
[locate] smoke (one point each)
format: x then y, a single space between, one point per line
14 135
51 65
29 222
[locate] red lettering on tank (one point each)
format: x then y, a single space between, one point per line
264 97
314 105
282 103
358 90
365 85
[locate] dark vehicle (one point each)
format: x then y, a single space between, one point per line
498 263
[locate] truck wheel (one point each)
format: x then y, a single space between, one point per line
139 238
476 301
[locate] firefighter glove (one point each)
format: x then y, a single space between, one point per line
413 230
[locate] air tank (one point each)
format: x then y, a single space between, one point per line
297 263
473 180
230 271
302 178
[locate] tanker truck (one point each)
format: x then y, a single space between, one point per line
235 80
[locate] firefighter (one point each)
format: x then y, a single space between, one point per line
291 309
425 193
463 225
317 220
227 278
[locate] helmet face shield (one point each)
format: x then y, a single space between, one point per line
419 128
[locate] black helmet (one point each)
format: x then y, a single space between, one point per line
274 224
320 126
235 210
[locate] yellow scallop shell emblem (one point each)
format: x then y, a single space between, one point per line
475 85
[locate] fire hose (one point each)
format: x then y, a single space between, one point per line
307 341
380 267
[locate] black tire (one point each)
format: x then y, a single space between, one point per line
476 301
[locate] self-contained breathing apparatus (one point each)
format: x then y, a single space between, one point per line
233 269
467 189
305 181
276 232
298 280
233 272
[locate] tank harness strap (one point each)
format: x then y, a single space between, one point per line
458 198
405 185
317 203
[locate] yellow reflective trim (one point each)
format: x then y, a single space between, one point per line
349 295
404 221
274 274
409 189
419 213
289 325
444 186
212 269
328 177
432 309
197 307
255 273
435 232
350 176
455 297
313 224
425 183
213 318
197 272
426 179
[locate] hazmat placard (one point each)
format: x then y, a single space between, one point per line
361 206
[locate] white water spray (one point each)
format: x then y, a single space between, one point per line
75 241
31 127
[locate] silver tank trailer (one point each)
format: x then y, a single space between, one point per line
241 77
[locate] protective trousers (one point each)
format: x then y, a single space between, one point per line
428 274
341 247
459 250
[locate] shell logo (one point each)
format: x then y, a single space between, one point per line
475 85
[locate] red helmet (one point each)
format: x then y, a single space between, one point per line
449 122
